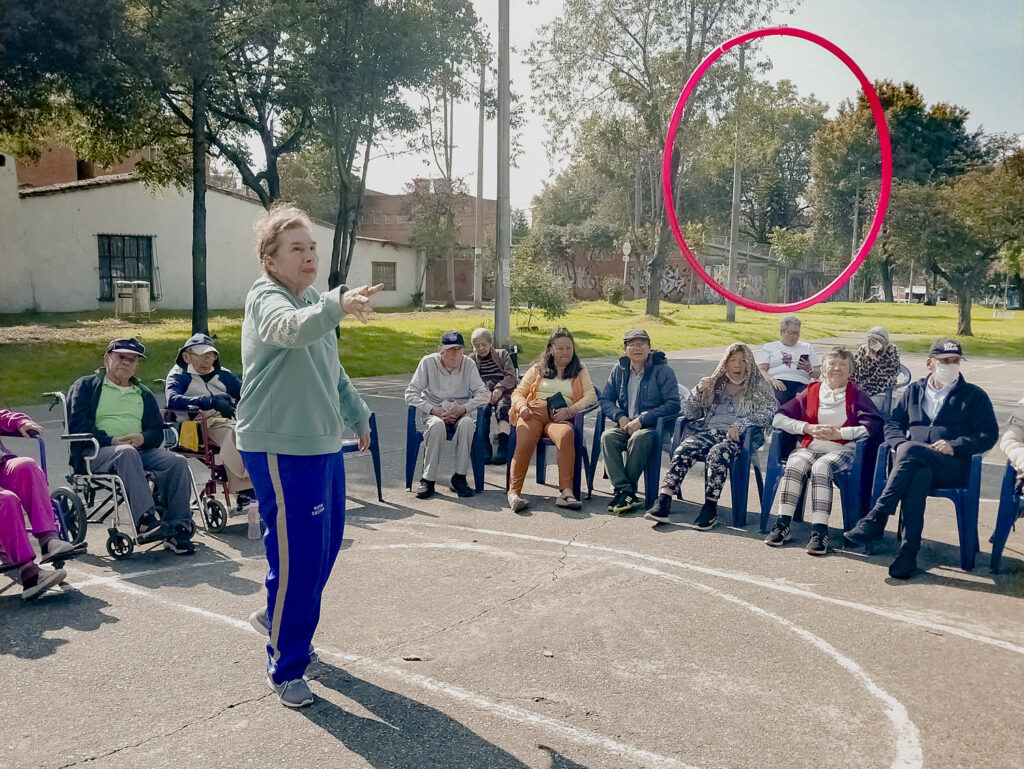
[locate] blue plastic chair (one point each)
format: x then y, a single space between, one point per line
739 470
965 499
902 380
1011 504
413 439
850 482
351 446
581 463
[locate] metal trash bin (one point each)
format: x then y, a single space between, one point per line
142 306
124 297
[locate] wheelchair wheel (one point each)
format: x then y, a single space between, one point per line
216 515
70 513
119 546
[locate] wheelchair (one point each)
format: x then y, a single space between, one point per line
67 517
98 497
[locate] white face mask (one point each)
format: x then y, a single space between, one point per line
874 346
741 380
946 373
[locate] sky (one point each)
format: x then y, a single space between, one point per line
966 53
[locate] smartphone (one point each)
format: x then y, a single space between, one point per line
804 358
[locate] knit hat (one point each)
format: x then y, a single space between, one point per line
879 333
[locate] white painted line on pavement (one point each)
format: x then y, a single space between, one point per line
509 712
746 578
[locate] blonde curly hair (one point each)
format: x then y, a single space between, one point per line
281 217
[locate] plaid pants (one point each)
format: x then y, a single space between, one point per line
710 447
822 466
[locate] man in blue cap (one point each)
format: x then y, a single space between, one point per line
447 390
939 424
123 416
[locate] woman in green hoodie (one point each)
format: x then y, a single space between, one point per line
296 402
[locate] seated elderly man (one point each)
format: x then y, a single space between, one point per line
941 421
876 365
447 390
197 383
124 417
828 415
496 369
640 390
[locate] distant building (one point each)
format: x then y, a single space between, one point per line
71 229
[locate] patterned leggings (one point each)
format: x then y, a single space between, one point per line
821 467
710 447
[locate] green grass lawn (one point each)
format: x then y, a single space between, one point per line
47 351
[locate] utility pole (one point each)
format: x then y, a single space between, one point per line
737 183
478 276
503 223
856 230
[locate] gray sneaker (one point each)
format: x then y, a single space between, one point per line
261 624
43 582
293 694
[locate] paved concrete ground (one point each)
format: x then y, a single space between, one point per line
457 635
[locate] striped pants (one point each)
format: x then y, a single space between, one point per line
302 504
822 467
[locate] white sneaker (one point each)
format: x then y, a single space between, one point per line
516 502
44 581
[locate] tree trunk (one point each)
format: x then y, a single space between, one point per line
200 314
963 312
885 273
655 266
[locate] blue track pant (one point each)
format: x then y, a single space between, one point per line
302 504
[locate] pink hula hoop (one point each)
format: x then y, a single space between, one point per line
883 196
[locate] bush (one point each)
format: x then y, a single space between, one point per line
535 286
611 290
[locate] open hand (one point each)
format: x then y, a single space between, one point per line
357 301
562 415
777 384
943 447
363 441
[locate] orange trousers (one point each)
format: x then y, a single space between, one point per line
528 432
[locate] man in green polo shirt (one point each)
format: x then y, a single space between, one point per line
124 418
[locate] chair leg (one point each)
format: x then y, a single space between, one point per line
740 483
1004 519
375 456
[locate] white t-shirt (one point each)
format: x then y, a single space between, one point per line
782 360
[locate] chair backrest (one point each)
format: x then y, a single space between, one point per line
59 398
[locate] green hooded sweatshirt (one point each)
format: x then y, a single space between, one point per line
296 397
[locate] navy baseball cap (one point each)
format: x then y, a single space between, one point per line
131 346
946 348
452 339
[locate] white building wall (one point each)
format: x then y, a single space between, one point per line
57 257
14 292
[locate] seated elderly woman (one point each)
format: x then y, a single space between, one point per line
496 369
199 383
24 491
876 365
789 365
556 388
722 406
829 415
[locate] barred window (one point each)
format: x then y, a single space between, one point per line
384 272
125 257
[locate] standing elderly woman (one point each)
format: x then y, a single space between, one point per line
553 391
789 365
23 491
722 406
876 365
496 369
829 415
197 383
296 402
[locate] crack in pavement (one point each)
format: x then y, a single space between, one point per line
171 733
565 548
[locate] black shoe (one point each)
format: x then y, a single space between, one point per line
905 564
708 517
660 509
616 501
864 533
818 543
779 535
459 486
501 453
150 530
243 498
179 546
425 490
630 503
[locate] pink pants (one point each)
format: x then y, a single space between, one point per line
23 490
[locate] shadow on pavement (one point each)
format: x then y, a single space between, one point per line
22 632
406 734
